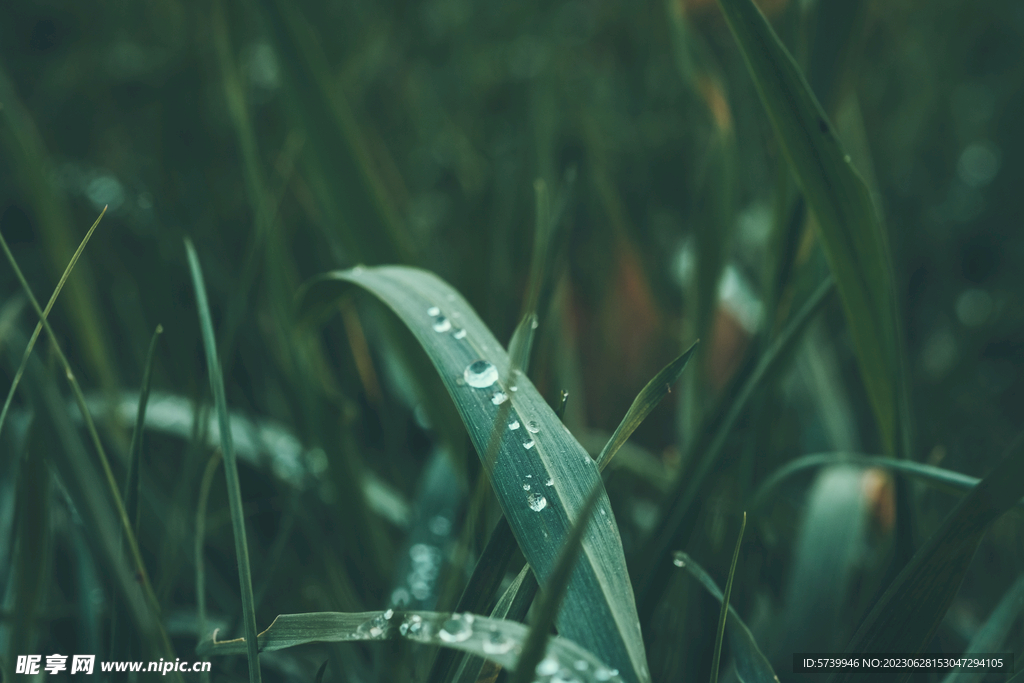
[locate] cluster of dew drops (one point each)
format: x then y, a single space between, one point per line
481 374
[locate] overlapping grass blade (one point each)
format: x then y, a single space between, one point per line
119 645
230 465
991 636
723 617
908 613
46 312
648 398
854 243
936 477
678 517
552 592
751 664
497 640
534 449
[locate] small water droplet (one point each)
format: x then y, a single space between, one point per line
526 487
412 626
480 374
679 558
513 388
499 398
496 643
536 502
442 324
847 158
455 630
533 322
547 666
532 427
459 334
549 482
389 613
513 425
602 674
460 381
433 310
603 512
440 525
373 628
403 629
581 665
528 445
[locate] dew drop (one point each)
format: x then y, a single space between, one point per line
496 643
499 398
532 427
528 445
460 381
442 324
389 613
534 323
526 487
602 674
580 665
513 388
455 630
549 482
548 666
847 158
536 502
373 628
459 334
513 425
679 558
433 310
403 629
480 374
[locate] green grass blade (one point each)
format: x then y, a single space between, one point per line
850 233
118 643
204 496
678 518
936 477
751 664
552 592
723 616
908 613
991 636
497 640
598 610
46 312
230 465
648 398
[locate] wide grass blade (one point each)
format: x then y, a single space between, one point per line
716 658
751 664
230 465
936 477
991 636
552 592
850 233
541 474
908 613
46 312
648 398
496 640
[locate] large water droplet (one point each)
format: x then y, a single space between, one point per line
514 424
433 310
529 444
532 427
455 630
459 334
536 502
547 666
679 558
499 398
496 643
442 324
480 374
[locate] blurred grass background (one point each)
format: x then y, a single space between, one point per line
287 139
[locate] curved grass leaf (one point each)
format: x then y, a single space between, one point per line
906 616
648 398
854 243
944 480
598 610
230 464
496 640
751 664
991 636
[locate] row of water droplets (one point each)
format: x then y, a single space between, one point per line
482 374
443 324
460 628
